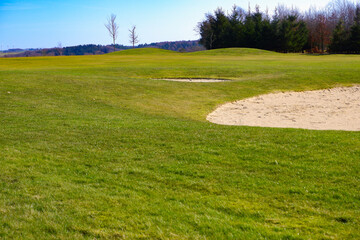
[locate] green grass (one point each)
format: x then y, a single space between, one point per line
92 147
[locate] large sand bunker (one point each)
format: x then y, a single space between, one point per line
330 109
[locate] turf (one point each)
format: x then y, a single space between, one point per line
93 147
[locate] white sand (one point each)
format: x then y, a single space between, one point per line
204 80
330 109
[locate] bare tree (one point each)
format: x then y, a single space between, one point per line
323 32
134 38
310 19
59 49
113 28
342 10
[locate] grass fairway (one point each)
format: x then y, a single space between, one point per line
92 147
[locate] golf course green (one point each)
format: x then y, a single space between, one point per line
99 147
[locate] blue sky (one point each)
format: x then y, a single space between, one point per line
45 23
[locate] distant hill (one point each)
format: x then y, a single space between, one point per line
15 50
92 49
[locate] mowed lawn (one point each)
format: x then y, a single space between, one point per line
95 147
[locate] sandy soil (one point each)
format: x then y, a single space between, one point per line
330 109
193 80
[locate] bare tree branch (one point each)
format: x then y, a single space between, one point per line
59 49
113 28
134 38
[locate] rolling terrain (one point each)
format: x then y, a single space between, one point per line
96 147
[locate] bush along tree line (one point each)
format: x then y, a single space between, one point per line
335 29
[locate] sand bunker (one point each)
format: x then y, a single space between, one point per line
330 109
194 80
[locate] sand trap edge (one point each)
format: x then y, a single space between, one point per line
260 111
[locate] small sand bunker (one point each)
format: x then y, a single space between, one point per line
195 80
330 109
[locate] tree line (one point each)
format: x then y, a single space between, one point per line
335 29
92 49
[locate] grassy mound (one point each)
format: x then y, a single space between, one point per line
143 51
234 52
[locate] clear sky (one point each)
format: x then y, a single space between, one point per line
45 23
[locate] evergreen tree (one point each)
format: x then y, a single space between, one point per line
293 34
268 38
275 38
340 39
253 30
236 36
355 33
221 28
206 32
249 32
258 28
